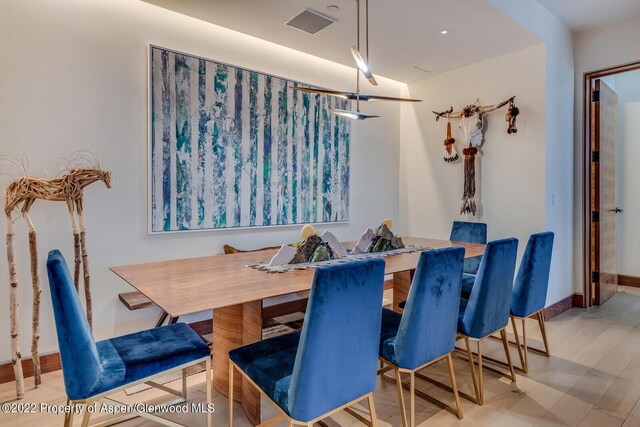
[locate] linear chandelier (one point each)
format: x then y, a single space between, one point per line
363 67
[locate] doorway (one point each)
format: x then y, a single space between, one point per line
610 123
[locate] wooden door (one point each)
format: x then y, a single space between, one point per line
603 193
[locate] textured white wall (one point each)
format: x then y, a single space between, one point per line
74 77
510 171
595 50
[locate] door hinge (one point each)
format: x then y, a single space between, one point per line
595 276
595 96
595 216
595 156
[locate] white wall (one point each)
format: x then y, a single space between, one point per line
595 50
510 171
559 73
627 86
73 76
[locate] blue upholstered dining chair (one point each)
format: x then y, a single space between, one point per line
425 332
530 291
331 364
471 232
94 370
488 308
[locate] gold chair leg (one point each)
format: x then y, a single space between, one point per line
372 410
69 421
480 374
66 415
403 409
454 386
231 394
87 414
473 371
526 347
208 385
523 360
505 344
543 330
412 398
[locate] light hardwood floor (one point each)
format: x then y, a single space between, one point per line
592 379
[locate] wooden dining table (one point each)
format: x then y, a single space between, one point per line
224 284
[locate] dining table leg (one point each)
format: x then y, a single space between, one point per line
234 327
401 284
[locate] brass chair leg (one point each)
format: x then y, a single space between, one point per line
523 360
69 421
372 410
87 414
473 372
505 344
543 330
480 374
454 386
208 385
412 398
526 348
231 395
403 409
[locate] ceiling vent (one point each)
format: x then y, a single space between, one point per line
310 21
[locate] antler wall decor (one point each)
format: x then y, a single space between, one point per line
20 196
471 125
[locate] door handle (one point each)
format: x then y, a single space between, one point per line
616 210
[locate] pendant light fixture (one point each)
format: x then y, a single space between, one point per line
355 50
362 67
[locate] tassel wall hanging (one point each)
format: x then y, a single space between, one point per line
471 125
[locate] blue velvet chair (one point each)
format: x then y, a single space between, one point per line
331 364
471 232
487 310
425 332
530 291
94 370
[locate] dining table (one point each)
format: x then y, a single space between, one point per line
233 291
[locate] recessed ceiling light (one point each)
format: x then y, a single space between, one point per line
332 8
445 32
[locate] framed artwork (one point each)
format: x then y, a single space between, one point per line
234 148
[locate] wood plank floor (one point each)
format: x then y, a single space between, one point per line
592 379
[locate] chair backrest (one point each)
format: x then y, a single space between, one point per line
337 357
430 318
490 301
532 281
80 361
472 232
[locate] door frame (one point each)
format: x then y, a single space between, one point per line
588 248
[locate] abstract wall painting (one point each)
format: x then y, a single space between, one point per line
234 148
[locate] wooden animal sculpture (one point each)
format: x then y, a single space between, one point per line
20 195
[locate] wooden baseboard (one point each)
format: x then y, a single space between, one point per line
573 300
633 281
48 363
51 362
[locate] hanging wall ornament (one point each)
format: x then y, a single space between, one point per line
512 113
450 154
471 126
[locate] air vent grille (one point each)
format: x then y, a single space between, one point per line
310 21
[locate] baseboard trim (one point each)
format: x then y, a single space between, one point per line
48 363
573 300
51 362
632 281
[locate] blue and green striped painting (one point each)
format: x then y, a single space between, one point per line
235 148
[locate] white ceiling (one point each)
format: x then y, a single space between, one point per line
403 34
582 15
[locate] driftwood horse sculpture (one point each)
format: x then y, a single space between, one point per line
20 196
